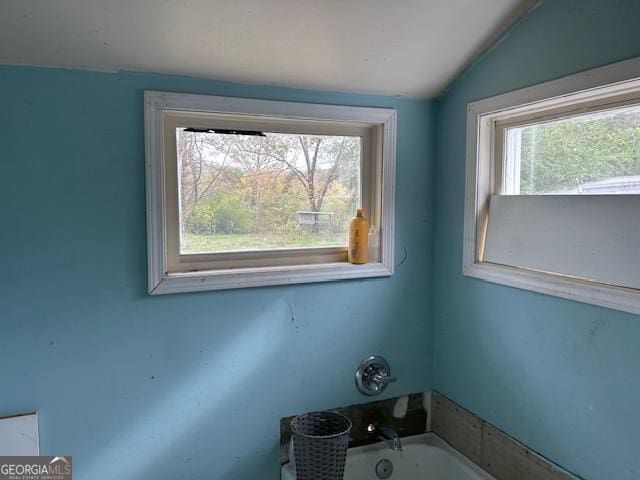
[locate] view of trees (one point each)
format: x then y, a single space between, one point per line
254 191
563 155
241 191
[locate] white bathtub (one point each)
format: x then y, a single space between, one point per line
423 457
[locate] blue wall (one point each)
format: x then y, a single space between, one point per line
184 385
559 375
193 385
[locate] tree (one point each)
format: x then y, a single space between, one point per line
561 156
254 184
199 166
261 171
315 161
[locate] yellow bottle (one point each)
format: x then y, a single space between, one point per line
358 239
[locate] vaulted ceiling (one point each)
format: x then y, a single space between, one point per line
404 47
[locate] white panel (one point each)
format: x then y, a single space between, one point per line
19 435
594 237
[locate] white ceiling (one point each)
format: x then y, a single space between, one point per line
403 47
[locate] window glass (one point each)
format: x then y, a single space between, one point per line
595 153
246 191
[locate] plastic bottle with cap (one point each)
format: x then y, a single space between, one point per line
358 239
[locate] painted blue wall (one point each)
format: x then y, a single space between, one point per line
184 385
559 375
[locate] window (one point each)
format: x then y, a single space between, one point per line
250 192
553 188
583 154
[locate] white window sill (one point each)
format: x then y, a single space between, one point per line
265 276
618 298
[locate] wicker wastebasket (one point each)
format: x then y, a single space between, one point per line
320 441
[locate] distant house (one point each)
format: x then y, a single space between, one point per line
614 185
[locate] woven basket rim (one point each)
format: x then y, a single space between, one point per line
322 437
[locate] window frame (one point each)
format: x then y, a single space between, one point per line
170 271
600 88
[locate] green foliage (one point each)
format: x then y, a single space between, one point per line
235 186
231 215
342 203
560 156
200 219
224 215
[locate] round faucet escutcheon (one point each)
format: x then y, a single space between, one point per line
373 375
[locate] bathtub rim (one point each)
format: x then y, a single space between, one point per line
431 439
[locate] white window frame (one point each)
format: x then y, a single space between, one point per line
166 274
615 84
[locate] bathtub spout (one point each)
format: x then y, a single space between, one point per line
386 433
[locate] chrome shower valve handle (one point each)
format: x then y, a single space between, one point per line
384 379
373 375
